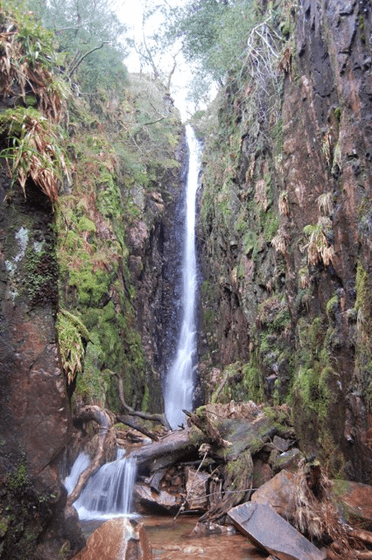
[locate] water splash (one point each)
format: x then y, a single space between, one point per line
179 387
108 492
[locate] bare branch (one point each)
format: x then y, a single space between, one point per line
76 66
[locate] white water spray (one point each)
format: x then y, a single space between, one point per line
178 394
108 492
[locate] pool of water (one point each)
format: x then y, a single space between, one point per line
172 540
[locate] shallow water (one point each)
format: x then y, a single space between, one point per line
173 541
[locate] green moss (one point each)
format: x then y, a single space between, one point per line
332 306
86 225
337 113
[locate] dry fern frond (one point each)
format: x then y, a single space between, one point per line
315 512
318 248
35 150
26 65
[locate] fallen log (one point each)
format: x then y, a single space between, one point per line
164 453
201 421
89 414
238 476
125 420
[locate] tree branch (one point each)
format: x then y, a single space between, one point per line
144 415
76 66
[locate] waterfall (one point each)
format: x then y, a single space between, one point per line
178 393
108 492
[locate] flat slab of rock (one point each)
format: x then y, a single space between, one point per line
270 532
279 493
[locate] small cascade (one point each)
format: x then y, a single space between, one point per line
180 381
108 492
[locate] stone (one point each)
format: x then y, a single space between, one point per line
262 472
269 531
117 539
147 501
279 493
196 489
354 501
281 444
288 460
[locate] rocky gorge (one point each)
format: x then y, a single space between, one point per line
91 204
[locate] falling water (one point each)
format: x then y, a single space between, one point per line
178 394
108 492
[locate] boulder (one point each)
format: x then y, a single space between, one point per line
117 539
196 489
354 501
262 472
281 444
288 460
279 493
146 500
270 532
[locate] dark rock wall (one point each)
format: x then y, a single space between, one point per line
285 218
35 419
155 246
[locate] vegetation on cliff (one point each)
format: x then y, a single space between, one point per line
97 157
284 213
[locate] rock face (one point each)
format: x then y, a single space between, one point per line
155 246
35 419
286 219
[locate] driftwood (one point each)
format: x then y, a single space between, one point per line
128 422
88 414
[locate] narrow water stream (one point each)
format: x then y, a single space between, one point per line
179 387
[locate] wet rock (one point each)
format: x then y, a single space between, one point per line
354 501
196 489
279 493
117 539
269 531
206 529
148 501
288 460
262 472
193 550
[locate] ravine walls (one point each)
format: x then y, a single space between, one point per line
285 218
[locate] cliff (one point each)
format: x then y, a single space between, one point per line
88 191
284 225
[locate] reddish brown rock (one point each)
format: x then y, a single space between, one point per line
148 501
279 493
196 489
269 531
35 416
355 502
117 539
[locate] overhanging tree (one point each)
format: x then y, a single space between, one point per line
90 36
